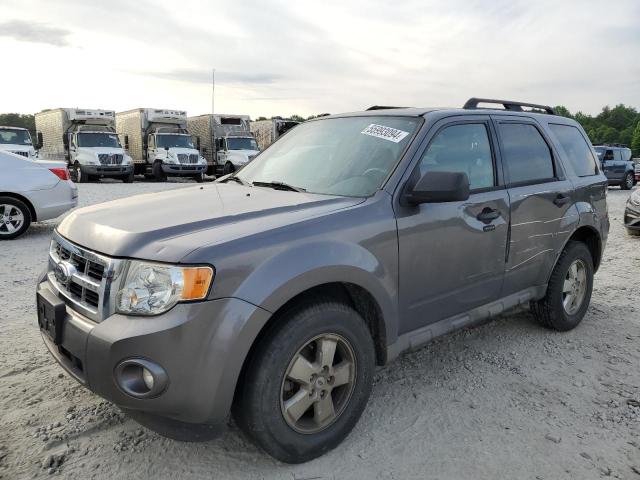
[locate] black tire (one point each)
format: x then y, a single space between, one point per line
158 174
550 311
259 405
228 168
128 178
633 233
79 177
8 208
627 181
199 177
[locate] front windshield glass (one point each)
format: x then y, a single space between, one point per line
241 143
14 137
174 140
105 140
336 156
599 151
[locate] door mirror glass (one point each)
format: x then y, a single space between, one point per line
126 142
436 187
39 141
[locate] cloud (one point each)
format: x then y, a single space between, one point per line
34 32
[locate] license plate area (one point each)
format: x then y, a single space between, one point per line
51 315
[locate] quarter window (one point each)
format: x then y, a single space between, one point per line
527 157
576 149
461 148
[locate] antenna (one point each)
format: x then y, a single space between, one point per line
213 89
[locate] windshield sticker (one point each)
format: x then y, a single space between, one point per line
387 133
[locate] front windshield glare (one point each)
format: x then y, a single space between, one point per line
175 141
104 140
241 143
336 156
15 137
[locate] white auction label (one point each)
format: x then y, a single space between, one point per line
387 133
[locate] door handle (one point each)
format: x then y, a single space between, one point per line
561 199
488 215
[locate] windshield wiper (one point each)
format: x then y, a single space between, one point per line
279 186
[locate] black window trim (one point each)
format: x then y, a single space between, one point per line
558 174
591 150
486 122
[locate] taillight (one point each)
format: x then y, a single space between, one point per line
61 173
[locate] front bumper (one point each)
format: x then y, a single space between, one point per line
201 346
180 169
632 217
107 170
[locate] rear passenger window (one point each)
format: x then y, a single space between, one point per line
576 149
527 157
461 148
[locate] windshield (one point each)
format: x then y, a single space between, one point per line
241 143
105 140
336 156
599 151
174 140
14 137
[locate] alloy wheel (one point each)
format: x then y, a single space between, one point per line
318 383
11 219
574 287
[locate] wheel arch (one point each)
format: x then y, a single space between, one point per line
590 236
25 200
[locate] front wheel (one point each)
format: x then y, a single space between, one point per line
307 382
569 289
128 178
199 177
158 173
627 182
15 218
79 175
228 168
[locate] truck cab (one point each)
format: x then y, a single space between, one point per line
234 152
18 141
171 151
617 165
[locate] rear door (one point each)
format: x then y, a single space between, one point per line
452 254
540 196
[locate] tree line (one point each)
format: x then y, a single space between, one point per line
620 124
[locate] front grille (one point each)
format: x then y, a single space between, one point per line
110 158
23 154
188 158
83 278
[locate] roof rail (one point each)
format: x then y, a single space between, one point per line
473 102
382 107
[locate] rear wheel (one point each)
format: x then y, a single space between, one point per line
627 182
569 289
308 381
15 218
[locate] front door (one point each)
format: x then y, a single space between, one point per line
452 255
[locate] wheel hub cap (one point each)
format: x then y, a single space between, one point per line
12 219
574 287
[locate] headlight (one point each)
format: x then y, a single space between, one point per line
635 198
153 288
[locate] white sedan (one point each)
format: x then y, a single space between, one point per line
31 192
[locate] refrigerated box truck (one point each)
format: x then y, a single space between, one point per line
224 140
160 144
268 131
87 139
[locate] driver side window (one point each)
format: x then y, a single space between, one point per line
462 148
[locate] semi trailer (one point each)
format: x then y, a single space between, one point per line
17 140
268 131
225 140
87 140
160 144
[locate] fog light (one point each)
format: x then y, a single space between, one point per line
147 377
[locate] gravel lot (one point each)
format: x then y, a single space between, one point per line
508 399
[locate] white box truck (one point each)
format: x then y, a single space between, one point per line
225 140
160 144
87 139
17 140
268 131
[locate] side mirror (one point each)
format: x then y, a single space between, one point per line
126 142
204 150
436 187
39 140
65 139
198 143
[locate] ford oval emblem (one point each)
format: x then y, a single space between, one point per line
63 272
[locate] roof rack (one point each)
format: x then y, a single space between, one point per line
473 102
382 107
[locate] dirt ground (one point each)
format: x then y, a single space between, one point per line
508 399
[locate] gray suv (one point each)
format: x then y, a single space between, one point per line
274 292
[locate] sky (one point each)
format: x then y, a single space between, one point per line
302 57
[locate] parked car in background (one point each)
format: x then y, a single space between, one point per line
17 140
350 240
636 163
617 165
87 139
31 192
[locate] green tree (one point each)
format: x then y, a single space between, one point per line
635 142
18 120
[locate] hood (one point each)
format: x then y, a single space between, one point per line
166 226
18 148
240 157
